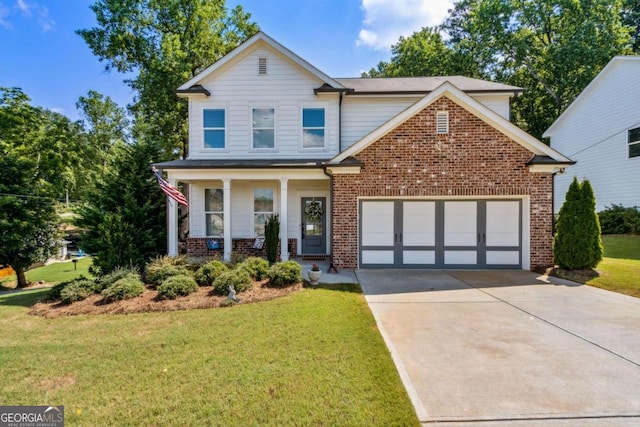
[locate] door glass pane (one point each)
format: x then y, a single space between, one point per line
313 214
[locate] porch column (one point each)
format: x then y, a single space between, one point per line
172 223
284 241
226 192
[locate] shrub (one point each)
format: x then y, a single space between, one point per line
77 290
239 279
151 269
127 287
284 274
56 290
577 243
117 274
272 237
176 286
160 274
256 267
209 271
616 219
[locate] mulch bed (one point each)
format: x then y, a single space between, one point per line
148 302
580 276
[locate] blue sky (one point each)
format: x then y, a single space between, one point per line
40 52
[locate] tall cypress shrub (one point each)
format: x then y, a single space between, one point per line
271 238
577 243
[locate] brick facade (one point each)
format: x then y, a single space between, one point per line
473 159
197 246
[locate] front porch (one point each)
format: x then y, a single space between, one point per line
231 205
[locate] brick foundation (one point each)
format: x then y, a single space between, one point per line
197 246
473 159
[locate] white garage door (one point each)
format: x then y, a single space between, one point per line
440 234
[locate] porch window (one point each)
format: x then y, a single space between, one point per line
264 127
214 128
214 211
634 143
262 208
313 128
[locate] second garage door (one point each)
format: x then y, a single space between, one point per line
440 233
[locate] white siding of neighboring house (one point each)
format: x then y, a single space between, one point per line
238 88
594 134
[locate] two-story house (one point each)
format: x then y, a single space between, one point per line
423 172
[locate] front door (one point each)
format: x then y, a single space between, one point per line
314 214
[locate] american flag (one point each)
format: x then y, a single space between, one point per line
170 190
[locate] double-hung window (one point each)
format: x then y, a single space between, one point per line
313 128
214 128
262 208
634 143
264 128
214 211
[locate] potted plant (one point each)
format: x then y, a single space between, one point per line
314 274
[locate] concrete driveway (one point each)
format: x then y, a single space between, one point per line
498 348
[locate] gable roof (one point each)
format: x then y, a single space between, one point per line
258 37
602 75
422 85
453 93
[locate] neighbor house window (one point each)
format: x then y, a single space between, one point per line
213 124
262 208
634 142
214 211
313 128
264 127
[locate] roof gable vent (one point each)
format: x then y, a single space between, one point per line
442 122
262 66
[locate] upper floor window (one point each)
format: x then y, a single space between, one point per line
313 128
262 208
214 211
634 143
264 127
214 132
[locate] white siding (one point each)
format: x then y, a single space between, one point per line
238 88
500 103
594 133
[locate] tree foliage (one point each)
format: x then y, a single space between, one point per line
577 243
161 44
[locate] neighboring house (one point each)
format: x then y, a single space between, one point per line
601 131
420 172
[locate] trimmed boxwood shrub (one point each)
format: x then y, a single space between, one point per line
162 273
127 287
285 273
152 267
206 274
239 279
54 292
78 290
176 286
117 274
256 267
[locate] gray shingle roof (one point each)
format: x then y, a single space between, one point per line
422 84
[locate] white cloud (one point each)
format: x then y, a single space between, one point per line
385 21
24 7
32 8
4 13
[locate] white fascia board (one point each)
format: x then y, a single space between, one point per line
260 36
547 168
343 170
243 174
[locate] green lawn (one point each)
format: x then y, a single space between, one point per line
620 267
53 273
312 358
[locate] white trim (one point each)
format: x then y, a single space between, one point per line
260 37
465 101
247 174
228 240
343 170
284 219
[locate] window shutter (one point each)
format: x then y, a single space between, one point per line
262 66
442 122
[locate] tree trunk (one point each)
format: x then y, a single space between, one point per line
22 280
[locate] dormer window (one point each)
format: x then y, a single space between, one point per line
442 122
262 66
634 143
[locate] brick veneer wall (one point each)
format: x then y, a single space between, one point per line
473 159
197 246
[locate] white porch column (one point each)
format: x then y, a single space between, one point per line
172 223
284 241
226 192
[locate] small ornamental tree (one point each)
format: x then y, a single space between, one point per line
577 243
271 238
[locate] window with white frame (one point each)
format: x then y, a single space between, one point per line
262 208
634 143
264 127
214 211
213 122
313 128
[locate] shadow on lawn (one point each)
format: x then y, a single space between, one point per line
342 287
25 298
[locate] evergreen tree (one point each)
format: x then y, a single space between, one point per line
577 243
